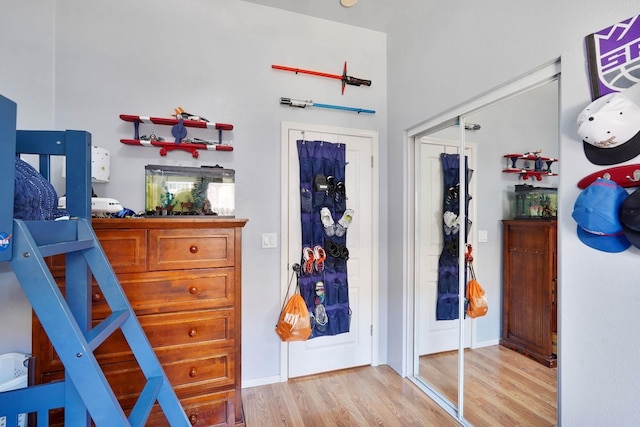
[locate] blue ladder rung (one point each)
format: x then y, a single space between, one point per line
56 237
65 247
46 232
147 399
104 329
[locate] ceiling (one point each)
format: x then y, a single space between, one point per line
371 14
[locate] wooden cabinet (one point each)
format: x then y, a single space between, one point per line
183 279
529 294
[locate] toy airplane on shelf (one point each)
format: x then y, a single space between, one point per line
181 114
99 205
537 171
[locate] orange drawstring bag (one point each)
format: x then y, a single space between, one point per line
294 323
476 296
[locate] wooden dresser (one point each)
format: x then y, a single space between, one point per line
529 313
183 278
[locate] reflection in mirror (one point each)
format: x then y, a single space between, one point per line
503 386
500 386
436 249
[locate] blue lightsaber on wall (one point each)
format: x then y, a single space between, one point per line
303 104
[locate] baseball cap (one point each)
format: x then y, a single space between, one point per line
597 212
610 127
630 218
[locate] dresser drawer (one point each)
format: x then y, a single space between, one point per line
171 291
203 410
171 249
165 332
207 410
214 327
125 249
203 371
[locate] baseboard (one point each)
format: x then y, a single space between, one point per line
486 343
260 381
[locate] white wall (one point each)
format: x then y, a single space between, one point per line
214 59
459 53
26 77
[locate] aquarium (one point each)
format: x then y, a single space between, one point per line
178 190
535 202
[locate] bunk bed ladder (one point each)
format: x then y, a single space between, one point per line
85 393
32 242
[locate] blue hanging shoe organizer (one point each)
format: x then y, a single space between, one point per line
448 272
323 282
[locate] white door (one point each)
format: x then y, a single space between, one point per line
434 335
354 348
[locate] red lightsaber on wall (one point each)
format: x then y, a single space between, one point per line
346 80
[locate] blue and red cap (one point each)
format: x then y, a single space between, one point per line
597 212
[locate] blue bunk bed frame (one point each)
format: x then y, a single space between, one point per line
85 393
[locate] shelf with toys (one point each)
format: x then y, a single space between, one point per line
179 123
530 164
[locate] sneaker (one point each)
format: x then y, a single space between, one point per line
327 222
319 256
451 223
320 183
321 317
307 255
343 223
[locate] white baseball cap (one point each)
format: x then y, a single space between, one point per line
610 127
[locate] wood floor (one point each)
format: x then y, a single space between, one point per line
503 388
366 396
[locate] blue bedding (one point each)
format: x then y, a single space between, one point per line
35 199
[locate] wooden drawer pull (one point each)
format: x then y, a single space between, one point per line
193 249
193 372
193 290
96 297
193 332
193 419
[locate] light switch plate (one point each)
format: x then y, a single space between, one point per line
483 236
269 240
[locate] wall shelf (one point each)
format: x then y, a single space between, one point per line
529 165
178 143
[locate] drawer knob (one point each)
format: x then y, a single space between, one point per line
193 419
193 290
96 297
193 372
193 249
192 332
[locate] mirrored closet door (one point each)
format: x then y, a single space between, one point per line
436 254
457 360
